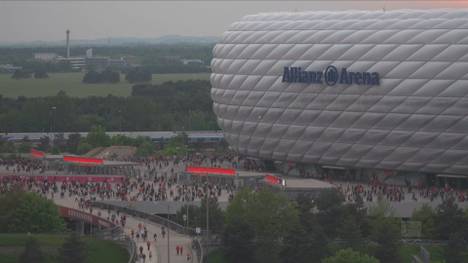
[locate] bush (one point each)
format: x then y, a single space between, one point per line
21 74
138 74
106 76
40 74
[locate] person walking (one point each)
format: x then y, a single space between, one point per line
177 249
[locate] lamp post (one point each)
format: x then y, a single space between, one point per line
186 216
168 248
52 124
207 210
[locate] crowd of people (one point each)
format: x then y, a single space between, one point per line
375 189
22 165
163 179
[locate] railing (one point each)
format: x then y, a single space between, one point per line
153 218
196 243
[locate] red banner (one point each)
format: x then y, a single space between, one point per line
271 179
210 170
37 154
83 160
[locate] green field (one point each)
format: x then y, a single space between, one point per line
72 85
12 245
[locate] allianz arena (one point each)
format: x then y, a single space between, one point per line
366 89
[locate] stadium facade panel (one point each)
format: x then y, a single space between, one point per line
370 89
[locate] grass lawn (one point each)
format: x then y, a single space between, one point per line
72 85
12 245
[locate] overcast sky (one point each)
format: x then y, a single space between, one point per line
29 21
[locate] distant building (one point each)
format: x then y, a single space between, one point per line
47 57
89 53
118 63
76 63
192 61
97 63
100 63
8 68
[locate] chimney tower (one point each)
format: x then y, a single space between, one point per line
68 43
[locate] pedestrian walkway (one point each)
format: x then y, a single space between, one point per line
158 247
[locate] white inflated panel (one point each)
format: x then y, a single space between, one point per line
416 119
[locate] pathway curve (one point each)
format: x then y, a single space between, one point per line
158 248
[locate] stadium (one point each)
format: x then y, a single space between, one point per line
378 90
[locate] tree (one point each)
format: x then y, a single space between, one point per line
44 143
91 77
25 145
425 214
350 256
350 232
386 234
146 148
216 215
197 216
138 74
177 145
194 215
83 147
238 239
7 147
269 215
168 106
308 242
32 252
449 220
456 250
330 211
40 74
73 250
60 143
21 74
97 137
72 142
109 76
305 244
28 212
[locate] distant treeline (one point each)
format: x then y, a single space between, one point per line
160 58
182 105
